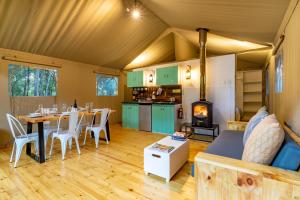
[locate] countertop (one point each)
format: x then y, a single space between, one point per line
150 103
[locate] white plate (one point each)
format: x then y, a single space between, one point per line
66 113
35 115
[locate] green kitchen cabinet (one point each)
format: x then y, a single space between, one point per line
163 119
130 116
135 79
167 76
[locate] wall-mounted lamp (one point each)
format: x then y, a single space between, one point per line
151 78
188 72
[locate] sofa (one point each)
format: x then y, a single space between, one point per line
221 173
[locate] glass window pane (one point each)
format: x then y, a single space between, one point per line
279 72
107 85
28 81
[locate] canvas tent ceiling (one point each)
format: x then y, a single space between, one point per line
252 20
101 32
98 32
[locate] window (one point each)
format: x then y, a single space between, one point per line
29 81
267 97
107 85
279 72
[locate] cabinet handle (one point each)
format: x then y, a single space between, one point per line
156 156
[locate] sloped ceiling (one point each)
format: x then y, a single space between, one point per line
98 32
251 20
102 32
177 44
162 50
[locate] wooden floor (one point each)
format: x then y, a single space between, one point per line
113 171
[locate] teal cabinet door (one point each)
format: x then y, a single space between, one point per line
130 79
139 82
157 118
134 116
163 118
172 75
125 116
169 119
161 76
167 76
135 79
130 116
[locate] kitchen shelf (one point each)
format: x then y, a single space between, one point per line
249 92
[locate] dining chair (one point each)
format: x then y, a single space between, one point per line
21 138
77 135
48 130
66 135
97 128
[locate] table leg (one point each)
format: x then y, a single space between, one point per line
41 142
107 130
28 146
94 122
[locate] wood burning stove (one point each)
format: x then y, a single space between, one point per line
202 114
202 111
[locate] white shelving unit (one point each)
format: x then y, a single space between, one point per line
249 92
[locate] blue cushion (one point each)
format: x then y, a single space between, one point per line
253 123
229 144
193 170
288 156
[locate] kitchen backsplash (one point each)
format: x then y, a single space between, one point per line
163 93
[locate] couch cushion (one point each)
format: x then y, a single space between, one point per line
288 156
229 144
260 115
265 141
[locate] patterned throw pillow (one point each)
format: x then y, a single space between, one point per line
260 115
264 142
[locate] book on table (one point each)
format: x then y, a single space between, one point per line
162 148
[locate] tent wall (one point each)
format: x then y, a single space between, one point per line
75 81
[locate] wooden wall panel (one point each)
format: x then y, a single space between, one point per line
286 105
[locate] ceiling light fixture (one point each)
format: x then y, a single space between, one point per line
135 13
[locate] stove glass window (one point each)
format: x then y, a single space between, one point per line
200 111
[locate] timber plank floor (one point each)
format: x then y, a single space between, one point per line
113 171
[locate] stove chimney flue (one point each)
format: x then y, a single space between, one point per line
202 45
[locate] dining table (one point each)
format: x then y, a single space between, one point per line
39 120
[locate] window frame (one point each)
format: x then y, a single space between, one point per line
107 75
279 58
25 65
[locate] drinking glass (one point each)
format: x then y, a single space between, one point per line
87 106
41 108
63 107
54 108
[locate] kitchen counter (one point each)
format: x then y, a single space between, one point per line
150 103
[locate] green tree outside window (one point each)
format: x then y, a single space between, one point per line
29 81
107 85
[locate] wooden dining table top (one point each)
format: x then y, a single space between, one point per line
52 117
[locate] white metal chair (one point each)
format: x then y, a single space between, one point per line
77 135
48 130
105 112
67 135
21 138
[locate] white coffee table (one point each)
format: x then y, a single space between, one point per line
166 164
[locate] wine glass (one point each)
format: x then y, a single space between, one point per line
41 108
63 107
54 108
87 106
